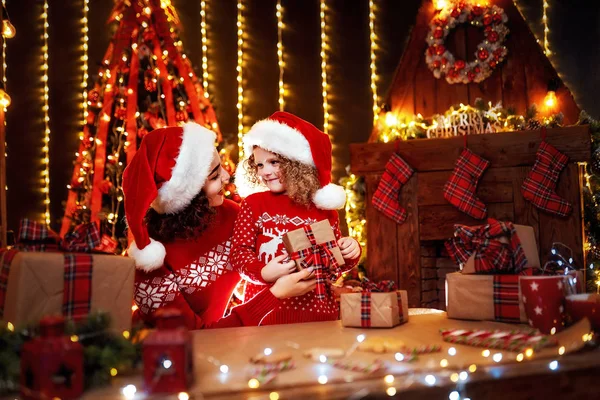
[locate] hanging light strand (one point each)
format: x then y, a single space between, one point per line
204 48
373 67
546 29
279 14
240 61
84 58
4 65
324 45
46 109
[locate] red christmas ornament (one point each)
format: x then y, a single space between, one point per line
121 112
105 186
477 69
459 64
477 10
51 364
436 64
487 19
439 49
455 13
93 96
167 355
483 54
493 64
497 18
438 33
142 132
181 116
470 76
493 37
453 73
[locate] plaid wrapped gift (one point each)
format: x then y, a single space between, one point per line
380 306
495 247
485 297
315 245
34 284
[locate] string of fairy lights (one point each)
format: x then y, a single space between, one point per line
204 47
324 84
84 58
372 65
240 82
279 15
46 109
546 29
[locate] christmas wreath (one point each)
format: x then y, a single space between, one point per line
489 53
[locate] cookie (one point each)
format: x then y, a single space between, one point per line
329 352
381 345
273 358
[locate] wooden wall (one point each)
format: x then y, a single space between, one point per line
518 82
395 250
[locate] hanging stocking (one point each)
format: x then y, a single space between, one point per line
539 185
387 196
460 188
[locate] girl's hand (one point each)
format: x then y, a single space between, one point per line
295 284
275 269
349 248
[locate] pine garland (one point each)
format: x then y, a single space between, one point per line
104 351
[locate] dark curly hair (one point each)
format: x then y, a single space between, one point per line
300 180
188 223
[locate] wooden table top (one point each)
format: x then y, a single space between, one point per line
235 346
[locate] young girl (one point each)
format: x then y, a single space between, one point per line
291 159
182 225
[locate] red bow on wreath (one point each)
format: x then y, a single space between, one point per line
496 246
320 257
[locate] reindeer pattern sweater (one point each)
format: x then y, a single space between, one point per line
257 238
198 279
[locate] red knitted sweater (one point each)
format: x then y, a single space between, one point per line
198 278
257 238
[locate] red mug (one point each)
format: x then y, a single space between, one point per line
579 306
544 300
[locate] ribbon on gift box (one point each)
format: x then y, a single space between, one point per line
368 288
506 297
320 257
492 254
77 292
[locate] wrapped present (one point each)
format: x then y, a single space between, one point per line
375 306
496 247
35 284
490 297
315 245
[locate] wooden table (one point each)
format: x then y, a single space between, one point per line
577 375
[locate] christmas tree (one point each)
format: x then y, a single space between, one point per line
146 82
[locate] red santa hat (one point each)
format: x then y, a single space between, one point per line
294 138
166 173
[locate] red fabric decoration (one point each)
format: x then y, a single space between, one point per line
386 197
460 188
540 184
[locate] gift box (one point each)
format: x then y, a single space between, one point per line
374 306
496 247
302 243
35 286
491 297
315 246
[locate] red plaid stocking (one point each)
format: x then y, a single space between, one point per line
539 185
386 197
460 188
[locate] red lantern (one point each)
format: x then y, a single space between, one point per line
167 355
52 364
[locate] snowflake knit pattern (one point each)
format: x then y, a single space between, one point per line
257 238
198 279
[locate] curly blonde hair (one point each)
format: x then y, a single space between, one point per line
300 180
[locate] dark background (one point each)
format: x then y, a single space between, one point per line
574 39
